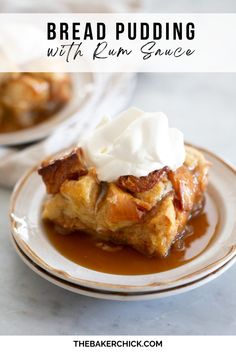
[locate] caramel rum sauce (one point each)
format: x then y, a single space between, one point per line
83 250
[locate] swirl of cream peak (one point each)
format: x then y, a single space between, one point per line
134 143
23 47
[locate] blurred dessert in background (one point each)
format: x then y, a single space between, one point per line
27 99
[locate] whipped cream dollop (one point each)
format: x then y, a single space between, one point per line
134 143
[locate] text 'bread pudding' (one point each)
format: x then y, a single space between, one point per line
132 182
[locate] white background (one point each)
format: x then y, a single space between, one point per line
213 47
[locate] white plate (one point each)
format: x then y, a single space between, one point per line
82 84
120 296
25 213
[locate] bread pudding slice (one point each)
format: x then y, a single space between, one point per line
147 213
27 99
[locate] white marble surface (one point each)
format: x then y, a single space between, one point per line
204 107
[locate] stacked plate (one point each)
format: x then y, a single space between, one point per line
38 253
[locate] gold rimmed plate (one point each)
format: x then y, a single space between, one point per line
113 295
29 234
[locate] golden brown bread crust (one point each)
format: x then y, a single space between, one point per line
185 186
148 218
141 184
69 167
